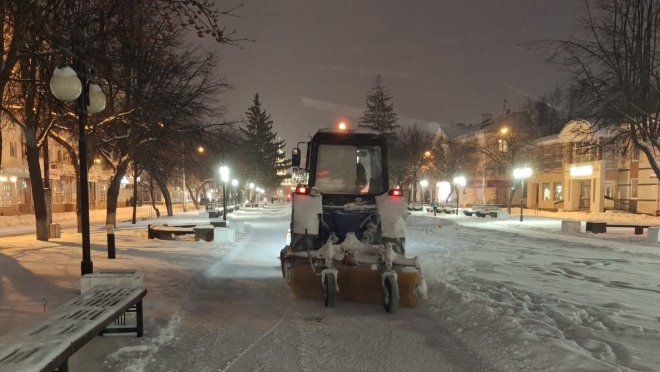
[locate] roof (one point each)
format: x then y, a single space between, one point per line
547 140
455 131
583 130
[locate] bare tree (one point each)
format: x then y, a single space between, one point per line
504 145
550 112
615 69
409 156
452 158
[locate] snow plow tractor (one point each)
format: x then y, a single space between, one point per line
347 236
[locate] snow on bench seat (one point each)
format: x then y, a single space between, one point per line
47 344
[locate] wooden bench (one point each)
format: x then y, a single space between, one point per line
47 344
204 232
484 213
469 212
598 227
167 232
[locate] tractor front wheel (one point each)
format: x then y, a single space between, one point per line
329 290
391 294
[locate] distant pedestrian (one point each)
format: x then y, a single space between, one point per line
434 204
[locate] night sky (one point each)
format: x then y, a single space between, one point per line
313 61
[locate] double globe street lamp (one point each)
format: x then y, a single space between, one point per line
71 84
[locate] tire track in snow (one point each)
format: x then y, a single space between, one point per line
241 354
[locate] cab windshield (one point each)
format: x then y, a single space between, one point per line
349 169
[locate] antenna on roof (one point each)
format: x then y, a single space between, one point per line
504 108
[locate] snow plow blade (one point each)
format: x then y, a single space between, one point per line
356 284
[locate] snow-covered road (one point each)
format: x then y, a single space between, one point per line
239 316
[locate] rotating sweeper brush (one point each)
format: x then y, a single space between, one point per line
355 272
347 236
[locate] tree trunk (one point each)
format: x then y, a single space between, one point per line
113 194
153 200
38 197
192 196
166 195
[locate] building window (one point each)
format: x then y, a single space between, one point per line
502 145
558 189
23 149
609 190
585 152
12 150
546 191
633 188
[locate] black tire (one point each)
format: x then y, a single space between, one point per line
391 295
329 289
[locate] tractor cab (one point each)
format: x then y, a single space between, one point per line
348 168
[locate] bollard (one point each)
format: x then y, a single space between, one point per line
111 240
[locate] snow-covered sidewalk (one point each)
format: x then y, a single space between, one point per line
524 297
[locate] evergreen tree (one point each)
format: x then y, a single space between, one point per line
266 159
379 114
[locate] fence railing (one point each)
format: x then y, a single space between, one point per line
625 205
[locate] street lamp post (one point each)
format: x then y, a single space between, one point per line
69 84
458 181
234 183
183 167
423 183
522 173
224 176
251 194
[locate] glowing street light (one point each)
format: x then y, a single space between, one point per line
522 173
458 181
342 126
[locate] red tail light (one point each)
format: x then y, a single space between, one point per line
302 190
396 192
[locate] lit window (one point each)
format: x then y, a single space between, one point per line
558 195
546 191
502 145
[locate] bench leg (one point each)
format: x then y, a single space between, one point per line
140 320
64 367
639 230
